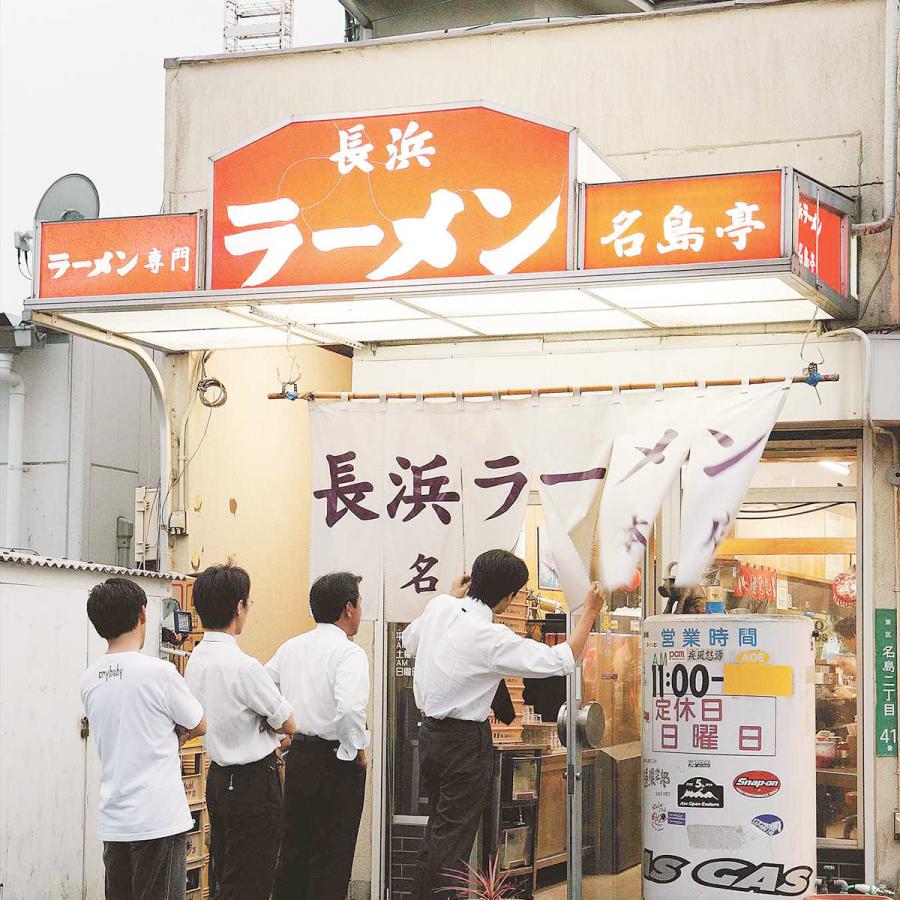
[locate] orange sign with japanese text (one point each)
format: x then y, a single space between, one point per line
676 221
134 255
467 191
819 239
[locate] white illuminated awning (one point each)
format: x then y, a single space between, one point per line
567 303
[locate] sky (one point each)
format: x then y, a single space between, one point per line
82 90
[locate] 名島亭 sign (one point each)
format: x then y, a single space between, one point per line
131 255
466 191
819 242
676 221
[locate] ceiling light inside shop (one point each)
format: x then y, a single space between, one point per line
697 293
834 466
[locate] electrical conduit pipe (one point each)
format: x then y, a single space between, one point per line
15 463
889 187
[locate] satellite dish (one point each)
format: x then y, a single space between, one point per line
70 197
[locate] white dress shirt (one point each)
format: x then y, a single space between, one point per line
462 655
239 698
326 678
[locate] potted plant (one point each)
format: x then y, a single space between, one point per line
482 884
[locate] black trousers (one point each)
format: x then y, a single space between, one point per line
323 801
245 807
146 870
456 765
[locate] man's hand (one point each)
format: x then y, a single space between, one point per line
594 600
460 587
361 759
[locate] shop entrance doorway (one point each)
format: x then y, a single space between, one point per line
563 820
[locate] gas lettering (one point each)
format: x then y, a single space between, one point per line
662 869
770 879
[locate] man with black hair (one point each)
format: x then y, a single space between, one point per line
245 710
461 657
140 710
325 675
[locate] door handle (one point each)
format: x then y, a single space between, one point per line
590 725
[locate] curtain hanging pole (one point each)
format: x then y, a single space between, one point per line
812 378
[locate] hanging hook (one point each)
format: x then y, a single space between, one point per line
813 379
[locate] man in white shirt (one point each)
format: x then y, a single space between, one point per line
245 711
139 709
461 657
326 677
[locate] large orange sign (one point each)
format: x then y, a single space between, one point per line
371 198
716 218
136 255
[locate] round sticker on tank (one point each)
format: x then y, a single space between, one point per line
757 784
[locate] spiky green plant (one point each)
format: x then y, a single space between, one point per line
481 884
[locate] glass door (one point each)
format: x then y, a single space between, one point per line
603 754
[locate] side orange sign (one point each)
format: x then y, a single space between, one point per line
676 221
819 238
135 255
422 194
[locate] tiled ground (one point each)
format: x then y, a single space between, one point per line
626 886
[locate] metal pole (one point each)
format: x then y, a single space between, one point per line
159 392
563 389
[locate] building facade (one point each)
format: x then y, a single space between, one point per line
666 94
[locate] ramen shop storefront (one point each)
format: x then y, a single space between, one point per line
539 317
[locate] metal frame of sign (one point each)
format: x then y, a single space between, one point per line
571 130
837 203
787 267
785 221
37 302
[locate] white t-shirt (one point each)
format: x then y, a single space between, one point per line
133 703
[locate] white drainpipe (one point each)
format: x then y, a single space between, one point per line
15 462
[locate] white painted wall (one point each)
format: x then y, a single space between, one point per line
90 439
531 364
49 776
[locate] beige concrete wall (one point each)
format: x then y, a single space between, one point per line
256 453
710 90
885 792
722 89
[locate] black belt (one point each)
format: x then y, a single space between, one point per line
314 739
454 724
259 762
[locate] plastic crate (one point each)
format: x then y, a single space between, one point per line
193 788
192 759
197 879
198 838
